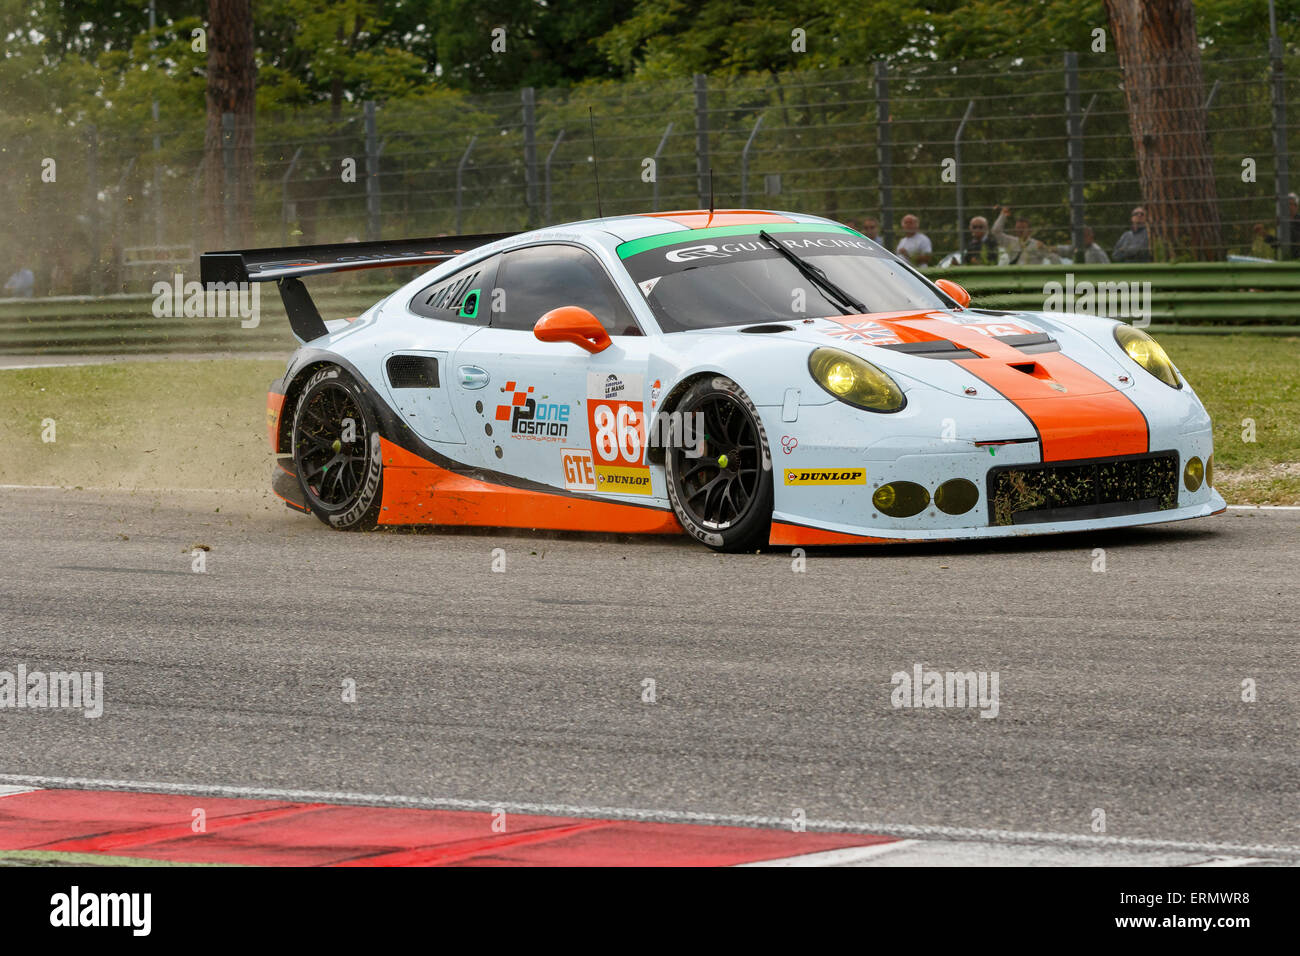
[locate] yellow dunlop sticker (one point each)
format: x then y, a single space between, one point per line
612 479
825 476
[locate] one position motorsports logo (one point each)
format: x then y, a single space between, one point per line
530 418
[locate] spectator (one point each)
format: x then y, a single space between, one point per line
1093 254
915 245
982 249
1133 245
21 283
1263 245
870 229
1293 202
1022 249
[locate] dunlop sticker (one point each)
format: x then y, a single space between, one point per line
612 479
825 476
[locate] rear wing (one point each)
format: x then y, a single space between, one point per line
286 266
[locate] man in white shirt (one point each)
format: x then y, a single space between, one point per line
915 245
1022 249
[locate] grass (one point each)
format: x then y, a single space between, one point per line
203 424
1241 379
139 425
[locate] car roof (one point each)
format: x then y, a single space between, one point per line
642 225
611 231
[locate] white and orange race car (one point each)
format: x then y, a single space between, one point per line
748 377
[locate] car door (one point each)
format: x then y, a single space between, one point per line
553 412
419 377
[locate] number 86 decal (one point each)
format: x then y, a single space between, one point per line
618 432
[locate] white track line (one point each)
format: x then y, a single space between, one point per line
14 791
1230 861
657 816
852 854
132 491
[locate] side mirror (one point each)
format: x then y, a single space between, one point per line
571 323
954 291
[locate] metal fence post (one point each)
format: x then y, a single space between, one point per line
663 141
1281 177
373 223
96 238
284 197
228 178
157 141
460 179
884 155
1074 150
529 97
559 138
956 156
196 185
744 162
701 140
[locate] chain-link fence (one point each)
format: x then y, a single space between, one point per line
98 209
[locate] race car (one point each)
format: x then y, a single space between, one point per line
747 377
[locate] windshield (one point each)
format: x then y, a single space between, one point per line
710 278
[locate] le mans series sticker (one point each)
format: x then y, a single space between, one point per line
617 422
825 476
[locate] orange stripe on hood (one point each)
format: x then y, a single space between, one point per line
699 218
1089 419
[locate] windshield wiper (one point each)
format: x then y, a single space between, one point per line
816 275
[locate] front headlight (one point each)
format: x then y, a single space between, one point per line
1147 352
855 381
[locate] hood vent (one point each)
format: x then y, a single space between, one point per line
766 328
1031 342
938 349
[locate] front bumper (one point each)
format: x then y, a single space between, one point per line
840 510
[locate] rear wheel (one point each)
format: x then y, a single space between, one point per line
723 496
336 451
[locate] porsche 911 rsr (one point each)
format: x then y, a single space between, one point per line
747 377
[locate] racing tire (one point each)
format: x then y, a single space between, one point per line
722 497
336 451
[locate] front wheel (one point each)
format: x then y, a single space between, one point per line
721 491
336 451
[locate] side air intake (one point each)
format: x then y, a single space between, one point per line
413 371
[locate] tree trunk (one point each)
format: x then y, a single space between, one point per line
1155 41
232 83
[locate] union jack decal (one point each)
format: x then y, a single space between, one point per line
863 332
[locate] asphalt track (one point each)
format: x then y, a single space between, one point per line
1120 690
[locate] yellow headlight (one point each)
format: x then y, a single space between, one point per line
855 381
1147 352
840 378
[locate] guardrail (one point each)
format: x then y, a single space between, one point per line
1184 294
124 324
1194 297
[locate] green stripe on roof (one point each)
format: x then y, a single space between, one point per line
633 246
